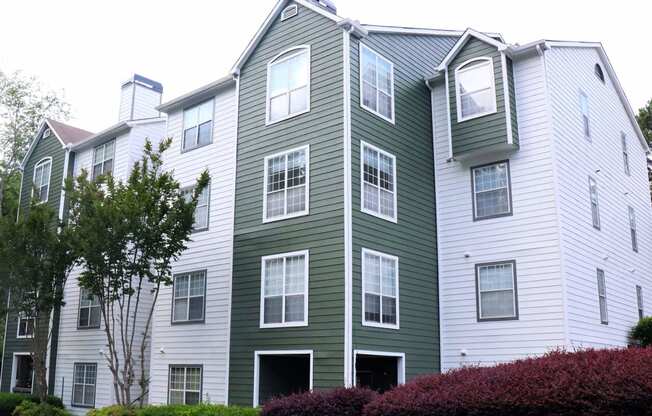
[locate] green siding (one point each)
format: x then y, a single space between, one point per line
413 238
512 101
321 232
488 131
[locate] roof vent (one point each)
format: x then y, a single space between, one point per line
46 133
326 5
289 11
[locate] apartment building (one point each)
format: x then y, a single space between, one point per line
384 202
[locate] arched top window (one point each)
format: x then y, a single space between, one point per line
288 84
475 88
42 171
599 73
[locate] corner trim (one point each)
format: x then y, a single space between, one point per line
506 97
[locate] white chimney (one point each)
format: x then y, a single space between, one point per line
138 98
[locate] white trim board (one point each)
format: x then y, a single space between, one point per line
400 371
257 355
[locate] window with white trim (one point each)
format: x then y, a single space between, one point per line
286 184
378 182
602 297
26 326
103 156
376 83
83 384
595 207
639 302
201 209
491 191
496 285
89 310
623 139
197 126
632 228
380 289
284 300
189 297
288 84
475 89
42 179
584 109
185 384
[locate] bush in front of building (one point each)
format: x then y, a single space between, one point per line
9 402
589 382
642 333
29 408
204 409
337 402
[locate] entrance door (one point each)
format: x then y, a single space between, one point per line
378 372
281 375
23 373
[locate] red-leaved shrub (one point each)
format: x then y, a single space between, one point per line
337 402
591 382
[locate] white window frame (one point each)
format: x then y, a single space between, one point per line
188 297
104 158
90 308
631 215
507 213
85 385
640 305
595 207
14 370
185 379
362 183
602 297
623 138
286 216
306 292
258 354
478 294
40 164
23 317
380 324
196 144
188 191
586 126
400 362
467 66
289 12
298 49
360 70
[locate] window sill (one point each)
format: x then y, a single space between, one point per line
82 406
190 149
24 336
507 214
86 328
377 114
286 217
377 215
285 325
379 325
497 319
269 122
182 323
199 230
461 119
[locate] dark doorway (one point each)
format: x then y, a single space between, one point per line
24 374
379 373
281 375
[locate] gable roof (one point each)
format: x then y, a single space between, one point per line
65 133
468 33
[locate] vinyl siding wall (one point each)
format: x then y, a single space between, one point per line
585 248
321 232
530 237
413 237
203 343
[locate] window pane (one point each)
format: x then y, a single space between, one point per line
205 112
205 133
491 190
196 284
276 173
189 136
296 169
176 378
477 102
84 314
372 307
370 166
192 398
190 117
298 71
385 104
386 203
296 200
108 150
294 308
388 274
273 277
496 277
295 274
384 77
181 286
372 273
386 172
299 100
369 66
369 95
196 308
193 378
181 309
98 155
95 316
278 82
273 310
492 203
275 204
78 394
497 304
108 166
476 77
371 197
389 310
176 397
89 396
201 217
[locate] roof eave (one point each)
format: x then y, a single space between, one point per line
197 95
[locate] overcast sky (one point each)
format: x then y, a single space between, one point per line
87 48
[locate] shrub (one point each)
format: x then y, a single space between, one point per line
176 410
591 382
338 402
9 401
29 408
642 332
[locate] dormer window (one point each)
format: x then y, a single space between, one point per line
475 89
289 11
599 73
288 84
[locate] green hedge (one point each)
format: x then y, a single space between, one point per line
9 401
27 408
176 410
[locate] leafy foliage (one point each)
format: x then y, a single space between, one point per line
29 408
642 332
176 410
337 402
644 118
9 401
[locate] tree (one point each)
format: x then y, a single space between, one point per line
644 118
38 254
128 236
23 105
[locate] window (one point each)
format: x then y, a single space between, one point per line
599 73
286 184
25 326
103 159
376 84
491 191
623 139
595 209
378 182
89 310
189 297
197 126
602 297
380 289
639 302
496 285
184 386
284 300
289 11
632 228
288 84
202 208
84 381
475 89
42 179
584 107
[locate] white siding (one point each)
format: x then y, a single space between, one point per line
138 104
530 237
585 248
202 343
